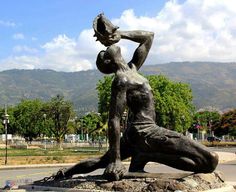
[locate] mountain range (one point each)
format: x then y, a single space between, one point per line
212 83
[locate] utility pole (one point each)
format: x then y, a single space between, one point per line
5 122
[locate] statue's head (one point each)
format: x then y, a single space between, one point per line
103 28
103 64
107 60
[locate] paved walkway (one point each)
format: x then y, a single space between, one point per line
226 156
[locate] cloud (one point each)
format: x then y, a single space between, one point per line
7 23
62 54
20 62
18 36
195 30
24 48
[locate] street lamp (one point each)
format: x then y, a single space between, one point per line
44 120
210 128
5 122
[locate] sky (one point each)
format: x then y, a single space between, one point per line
58 34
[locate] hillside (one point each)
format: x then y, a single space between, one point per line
213 84
79 87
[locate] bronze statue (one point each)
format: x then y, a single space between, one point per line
143 140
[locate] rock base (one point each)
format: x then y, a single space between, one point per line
142 182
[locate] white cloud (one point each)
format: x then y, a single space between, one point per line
62 54
196 30
7 23
24 48
18 36
202 30
19 62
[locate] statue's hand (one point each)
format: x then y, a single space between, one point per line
114 171
110 39
114 37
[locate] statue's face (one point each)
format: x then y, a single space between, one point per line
108 61
104 63
104 41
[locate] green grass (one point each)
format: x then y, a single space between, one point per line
50 152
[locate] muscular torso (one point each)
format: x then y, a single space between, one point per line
139 97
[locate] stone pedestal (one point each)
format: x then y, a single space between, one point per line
140 182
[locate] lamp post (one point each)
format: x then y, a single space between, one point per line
76 120
44 120
210 128
5 122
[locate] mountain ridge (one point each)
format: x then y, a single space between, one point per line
212 83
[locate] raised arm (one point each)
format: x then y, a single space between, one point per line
145 38
108 34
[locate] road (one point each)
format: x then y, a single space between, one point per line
224 149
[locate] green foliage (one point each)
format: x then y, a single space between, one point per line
35 118
173 103
205 120
59 111
104 96
91 123
227 124
28 119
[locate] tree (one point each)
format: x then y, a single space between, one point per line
91 124
104 96
28 119
173 101
205 120
59 112
227 124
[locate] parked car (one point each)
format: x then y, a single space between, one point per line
213 138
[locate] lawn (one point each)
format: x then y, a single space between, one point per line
67 155
38 156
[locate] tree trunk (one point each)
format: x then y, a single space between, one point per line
59 144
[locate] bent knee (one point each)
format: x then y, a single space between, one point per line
211 162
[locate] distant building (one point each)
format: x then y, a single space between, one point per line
210 109
71 138
3 137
